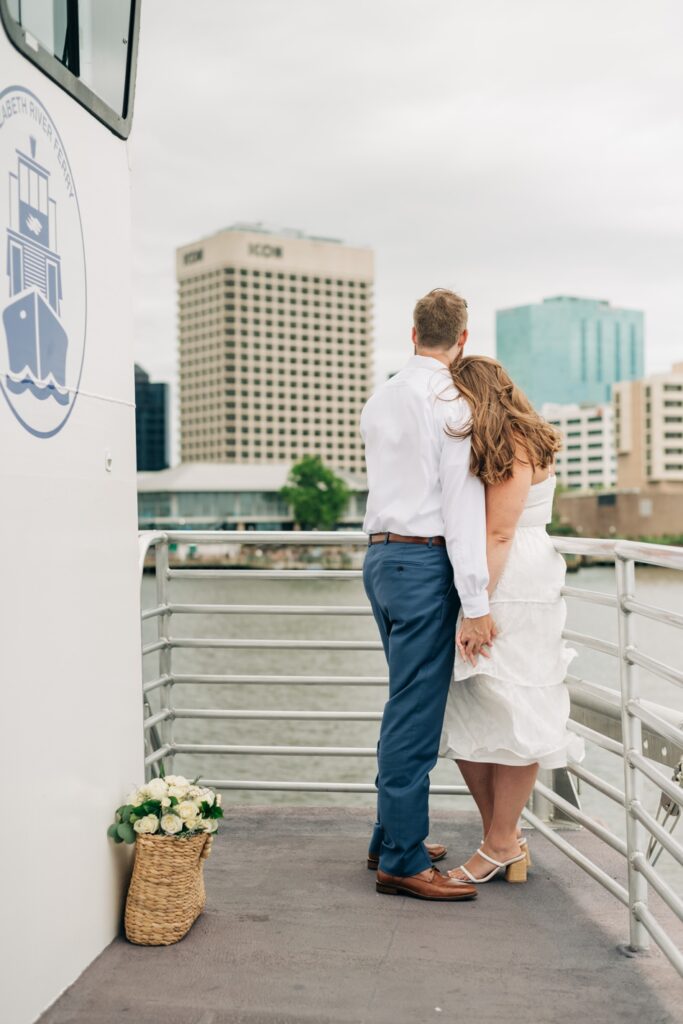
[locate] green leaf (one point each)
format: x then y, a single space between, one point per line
126 832
112 831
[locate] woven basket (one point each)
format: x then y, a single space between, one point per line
166 893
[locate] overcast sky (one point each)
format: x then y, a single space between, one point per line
510 149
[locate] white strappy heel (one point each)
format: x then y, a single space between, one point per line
524 843
515 869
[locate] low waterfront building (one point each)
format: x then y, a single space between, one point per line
216 495
151 422
570 350
649 431
587 461
635 514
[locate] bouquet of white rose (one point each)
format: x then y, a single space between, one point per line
167 806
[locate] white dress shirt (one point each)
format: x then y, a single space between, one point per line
419 478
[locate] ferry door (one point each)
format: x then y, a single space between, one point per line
69 592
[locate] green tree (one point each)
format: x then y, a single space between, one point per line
315 495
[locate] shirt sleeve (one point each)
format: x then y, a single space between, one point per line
464 516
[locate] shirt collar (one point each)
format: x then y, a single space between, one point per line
425 363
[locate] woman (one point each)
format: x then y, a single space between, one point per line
507 714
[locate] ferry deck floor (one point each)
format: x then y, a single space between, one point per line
294 933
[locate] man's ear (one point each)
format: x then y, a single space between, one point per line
413 335
462 340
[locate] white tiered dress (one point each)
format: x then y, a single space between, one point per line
512 708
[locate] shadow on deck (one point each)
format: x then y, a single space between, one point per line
294 933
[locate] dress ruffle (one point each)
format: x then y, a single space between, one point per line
512 708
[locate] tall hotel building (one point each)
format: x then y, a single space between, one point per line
275 347
568 350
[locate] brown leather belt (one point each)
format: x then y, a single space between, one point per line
397 538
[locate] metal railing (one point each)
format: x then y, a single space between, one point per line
644 735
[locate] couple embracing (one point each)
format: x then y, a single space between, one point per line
465 586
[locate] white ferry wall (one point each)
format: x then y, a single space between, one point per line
70 649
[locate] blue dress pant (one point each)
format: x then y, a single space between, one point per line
415 604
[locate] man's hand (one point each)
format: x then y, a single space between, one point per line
475 636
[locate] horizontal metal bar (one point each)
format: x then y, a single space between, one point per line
651 554
264 574
596 737
656 722
650 611
318 787
595 696
664 891
657 831
583 819
594 546
183 678
206 643
269 609
597 783
286 538
599 708
281 716
664 555
591 596
152 613
158 645
654 775
658 668
159 754
294 751
595 872
153 720
155 684
667 946
594 642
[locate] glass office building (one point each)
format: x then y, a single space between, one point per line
151 422
568 350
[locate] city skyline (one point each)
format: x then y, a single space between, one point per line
467 153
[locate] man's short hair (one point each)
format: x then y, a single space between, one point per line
440 318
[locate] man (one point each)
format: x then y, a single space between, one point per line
426 521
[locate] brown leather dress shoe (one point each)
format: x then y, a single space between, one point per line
435 850
432 887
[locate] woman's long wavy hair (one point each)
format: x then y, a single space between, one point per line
503 421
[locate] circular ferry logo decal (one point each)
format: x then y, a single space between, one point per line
42 282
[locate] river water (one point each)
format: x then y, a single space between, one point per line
657 586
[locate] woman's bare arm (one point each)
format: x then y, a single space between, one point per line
504 505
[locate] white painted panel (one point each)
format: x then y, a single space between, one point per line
69 614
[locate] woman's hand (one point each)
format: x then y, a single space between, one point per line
475 636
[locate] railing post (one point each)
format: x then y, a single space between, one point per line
163 633
636 838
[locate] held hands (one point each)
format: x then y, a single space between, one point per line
475 636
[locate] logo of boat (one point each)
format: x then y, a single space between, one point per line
37 342
43 283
